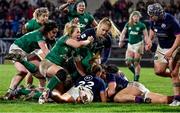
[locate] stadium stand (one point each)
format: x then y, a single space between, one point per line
15 13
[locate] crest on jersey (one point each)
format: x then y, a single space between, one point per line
129 28
86 20
88 78
155 30
163 25
137 28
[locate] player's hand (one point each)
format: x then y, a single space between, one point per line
75 21
121 44
148 45
90 38
168 54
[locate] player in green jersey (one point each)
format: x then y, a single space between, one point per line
85 19
40 16
54 64
23 46
137 34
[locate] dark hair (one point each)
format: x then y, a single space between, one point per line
48 26
111 68
96 68
79 1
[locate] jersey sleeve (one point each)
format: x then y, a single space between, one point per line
28 26
102 86
175 26
39 38
86 33
143 26
111 78
90 17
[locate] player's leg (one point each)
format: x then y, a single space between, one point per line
175 78
160 63
138 52
16 80
57 74
137 66
129 94
130 61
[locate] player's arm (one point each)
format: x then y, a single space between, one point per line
148 42
94 23
44 48
79 66
64 8
77 44
103 96
111 89
151 34
176 31
122 36
176 44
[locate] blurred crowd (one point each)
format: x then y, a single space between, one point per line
119 11
15 13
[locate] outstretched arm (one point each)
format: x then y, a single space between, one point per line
122 36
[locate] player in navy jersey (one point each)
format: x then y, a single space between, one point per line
167 30
119 89
102 38
92 83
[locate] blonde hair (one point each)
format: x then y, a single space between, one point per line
113 29
130 22
69 28
39 11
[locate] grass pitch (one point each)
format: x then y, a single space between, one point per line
151 81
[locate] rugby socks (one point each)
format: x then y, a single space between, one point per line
132 69
136 78
24 91
29 66
53 82
37 95
139 99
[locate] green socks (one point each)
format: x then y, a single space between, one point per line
136 78
53 82
30 66
132 69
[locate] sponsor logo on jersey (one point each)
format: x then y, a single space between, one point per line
133 33
88 78
83 36
86 20
137 28
155 30
163 25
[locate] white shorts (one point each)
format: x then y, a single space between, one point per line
38 52
74 92
17 50
136 48
159 55
140 86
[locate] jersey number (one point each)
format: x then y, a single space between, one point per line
86 84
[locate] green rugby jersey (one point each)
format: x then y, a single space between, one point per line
135 32
32 25
61 52
29 41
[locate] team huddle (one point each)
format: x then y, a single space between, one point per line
73 68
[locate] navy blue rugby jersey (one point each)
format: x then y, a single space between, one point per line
94 83
121 82
98 43
165 30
